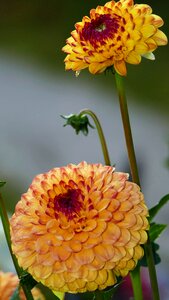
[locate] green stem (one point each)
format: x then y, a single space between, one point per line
136 283
127 129
135 178
100 133
27 292
152 270
5 223
6 227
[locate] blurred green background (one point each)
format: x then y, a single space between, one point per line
33 33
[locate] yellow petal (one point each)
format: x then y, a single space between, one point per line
152 45
96 67
42 271
102 277
141 48
155 20
27 262
134 239
75 65
143 234
111 280
60 295
91 286
55 280
133 58
148 30
120 67
144 8
160 38
138 253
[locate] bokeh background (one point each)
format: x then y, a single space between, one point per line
35 90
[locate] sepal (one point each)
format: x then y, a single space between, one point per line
78 122
2 183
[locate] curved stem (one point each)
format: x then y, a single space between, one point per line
6 227
100 133
135 178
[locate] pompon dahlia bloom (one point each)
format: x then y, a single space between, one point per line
115 34
79 226
9 282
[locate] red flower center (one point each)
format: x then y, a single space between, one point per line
99 29
69 203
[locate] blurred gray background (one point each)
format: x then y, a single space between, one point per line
35 90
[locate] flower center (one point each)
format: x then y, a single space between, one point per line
99 29
69 203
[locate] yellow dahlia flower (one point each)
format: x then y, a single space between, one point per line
79 226
8 284
115 34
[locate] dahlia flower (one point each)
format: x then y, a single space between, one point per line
79 226
9 282
115 34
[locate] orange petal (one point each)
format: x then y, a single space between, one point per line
104 253
75 246
90 225
124 238
111 234
101 226
86 256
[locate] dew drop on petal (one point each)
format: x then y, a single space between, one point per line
77 73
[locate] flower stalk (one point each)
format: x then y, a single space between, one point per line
5 224
100 133
135 177
152 271
6 227
136 283
127 128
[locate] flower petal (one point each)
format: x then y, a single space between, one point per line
120 67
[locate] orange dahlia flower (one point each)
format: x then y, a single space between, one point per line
115 34
8 284
79 226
